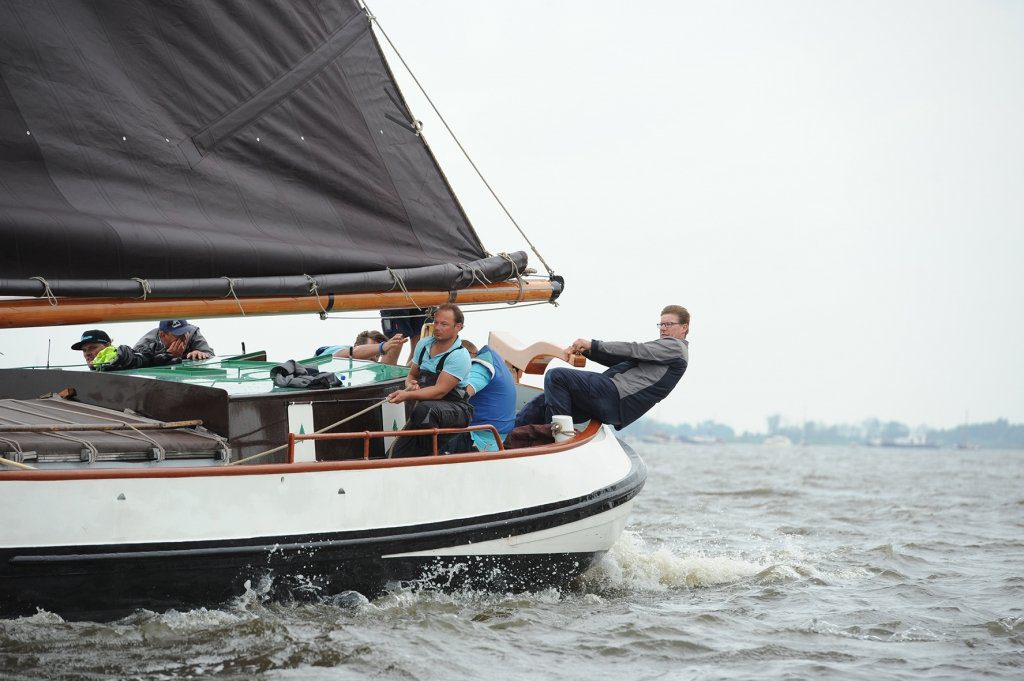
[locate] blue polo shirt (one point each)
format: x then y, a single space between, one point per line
457 363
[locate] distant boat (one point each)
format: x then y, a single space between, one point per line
778 441
700 440
909 442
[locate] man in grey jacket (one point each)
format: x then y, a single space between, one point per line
177 338
639 376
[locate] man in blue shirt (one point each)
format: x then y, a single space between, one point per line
492 392
437 382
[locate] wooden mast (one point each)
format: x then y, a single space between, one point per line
31 312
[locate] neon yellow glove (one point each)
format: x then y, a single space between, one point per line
105 356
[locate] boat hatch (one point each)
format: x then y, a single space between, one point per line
72 435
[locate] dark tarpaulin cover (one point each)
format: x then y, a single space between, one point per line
195 140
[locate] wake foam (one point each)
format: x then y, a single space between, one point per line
632 565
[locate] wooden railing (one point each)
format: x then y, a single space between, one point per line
366 435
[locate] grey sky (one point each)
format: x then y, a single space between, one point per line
834 189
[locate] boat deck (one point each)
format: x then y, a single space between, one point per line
56 431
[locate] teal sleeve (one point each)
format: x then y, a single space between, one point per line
458 365
479 377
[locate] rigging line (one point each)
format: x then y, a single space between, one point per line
465 310
231 292
519 278
401 284
314 290
470 310
18 451
47 292
315 432
451 132
146 288
15 464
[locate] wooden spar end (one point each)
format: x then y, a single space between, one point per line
532 359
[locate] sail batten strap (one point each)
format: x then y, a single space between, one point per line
196 146
374 20
47 292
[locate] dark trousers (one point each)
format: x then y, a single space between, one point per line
583 395
432 414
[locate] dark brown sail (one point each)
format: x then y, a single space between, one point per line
167 148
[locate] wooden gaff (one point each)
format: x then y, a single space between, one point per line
31 312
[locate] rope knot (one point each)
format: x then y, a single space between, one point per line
47 291
144 285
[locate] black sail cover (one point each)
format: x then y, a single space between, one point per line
186 142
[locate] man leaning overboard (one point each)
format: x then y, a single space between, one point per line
639 375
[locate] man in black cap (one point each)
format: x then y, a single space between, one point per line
175 337
92 343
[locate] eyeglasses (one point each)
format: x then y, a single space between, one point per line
667 325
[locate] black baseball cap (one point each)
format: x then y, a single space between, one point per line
92 336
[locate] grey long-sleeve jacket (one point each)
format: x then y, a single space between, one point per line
196 342
643 373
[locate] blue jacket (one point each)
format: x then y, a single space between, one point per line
494 403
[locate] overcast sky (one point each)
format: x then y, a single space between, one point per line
835 190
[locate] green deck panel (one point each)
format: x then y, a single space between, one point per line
238 375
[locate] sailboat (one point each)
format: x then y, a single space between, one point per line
206 159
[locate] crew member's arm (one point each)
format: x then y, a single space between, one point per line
199 348
372 351
586 347
478 379
660 351
445 384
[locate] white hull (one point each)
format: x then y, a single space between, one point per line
134 539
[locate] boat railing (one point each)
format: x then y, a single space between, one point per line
366 435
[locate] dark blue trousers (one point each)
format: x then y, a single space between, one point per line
582 394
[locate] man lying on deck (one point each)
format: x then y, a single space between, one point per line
437 382
175 337
640 376
371 345
169 343
92 343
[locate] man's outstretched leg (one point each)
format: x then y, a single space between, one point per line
583 395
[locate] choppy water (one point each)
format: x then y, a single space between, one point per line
740 562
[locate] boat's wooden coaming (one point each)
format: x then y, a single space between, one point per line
101 581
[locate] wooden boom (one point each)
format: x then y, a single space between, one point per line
24 313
